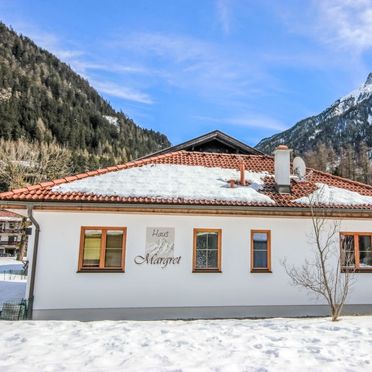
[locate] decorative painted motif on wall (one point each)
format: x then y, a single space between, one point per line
159 248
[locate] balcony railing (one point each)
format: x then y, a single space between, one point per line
8 230
6 242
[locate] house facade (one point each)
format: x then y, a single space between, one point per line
189 234
10 233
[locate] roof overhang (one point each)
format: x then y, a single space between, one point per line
187 209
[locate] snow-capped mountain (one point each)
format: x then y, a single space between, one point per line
348 121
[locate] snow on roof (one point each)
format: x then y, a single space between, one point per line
171 178
173 181
331 195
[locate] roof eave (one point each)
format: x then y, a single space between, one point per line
189 208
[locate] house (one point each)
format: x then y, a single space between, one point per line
215 141
200 230
10 233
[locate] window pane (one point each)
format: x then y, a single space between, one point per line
365 250
207 250
212 240
114 247
212 259
260 246
201 259
260 259
260 237
201 240
260 250
347 250
92 248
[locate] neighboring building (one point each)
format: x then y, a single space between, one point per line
10 233
214 142
188 234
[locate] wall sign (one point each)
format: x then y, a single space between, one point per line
159 248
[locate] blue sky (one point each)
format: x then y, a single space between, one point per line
249 68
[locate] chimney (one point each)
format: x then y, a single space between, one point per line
242 173
282 169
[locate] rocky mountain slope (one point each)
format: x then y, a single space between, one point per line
347 122
338 140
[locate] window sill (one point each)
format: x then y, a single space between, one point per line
100 271
261 271
352 270
195 271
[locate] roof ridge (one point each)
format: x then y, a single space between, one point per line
223 154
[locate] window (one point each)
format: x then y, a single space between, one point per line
356 251
207 250
102 249
260 251
12 239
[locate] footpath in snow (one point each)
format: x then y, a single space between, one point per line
203 345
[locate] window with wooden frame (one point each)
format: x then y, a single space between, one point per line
260 251
207 251
356 251
102 249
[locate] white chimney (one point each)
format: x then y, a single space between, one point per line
282 169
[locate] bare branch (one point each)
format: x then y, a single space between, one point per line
330 272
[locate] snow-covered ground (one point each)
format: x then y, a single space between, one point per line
204 345
9 263
12 287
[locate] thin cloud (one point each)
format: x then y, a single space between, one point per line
346 24
126 93
84 66
342 25
208 69
249 121
224 15
179 48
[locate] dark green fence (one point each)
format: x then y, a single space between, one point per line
14 310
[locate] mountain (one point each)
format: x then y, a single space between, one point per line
338 140
43 100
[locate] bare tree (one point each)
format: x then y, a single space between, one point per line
23 163
15 159
23 241
329 274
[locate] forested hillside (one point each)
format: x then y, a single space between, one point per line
338 140
42 100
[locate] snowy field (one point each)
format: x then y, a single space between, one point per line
203 345
11 288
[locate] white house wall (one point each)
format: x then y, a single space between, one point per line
59 286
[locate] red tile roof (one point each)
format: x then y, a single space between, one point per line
258 163
8 214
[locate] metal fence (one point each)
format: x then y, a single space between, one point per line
14 310
15 274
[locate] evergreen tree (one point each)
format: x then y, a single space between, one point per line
42 99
